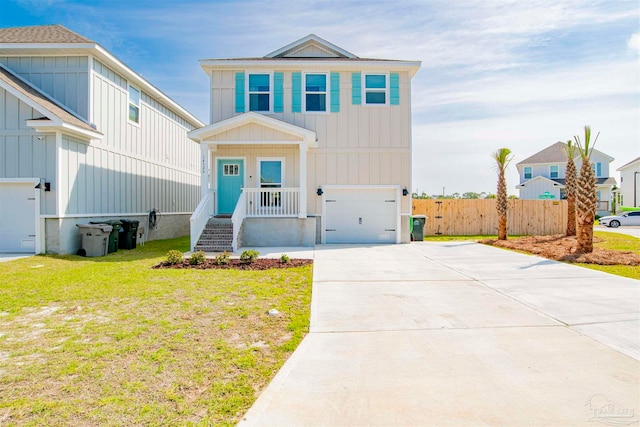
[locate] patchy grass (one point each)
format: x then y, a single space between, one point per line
613 253
110 341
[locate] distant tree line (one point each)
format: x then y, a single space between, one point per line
466 195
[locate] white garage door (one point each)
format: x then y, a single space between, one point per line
361 215
17 217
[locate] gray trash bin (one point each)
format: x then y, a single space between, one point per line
418 227
95 239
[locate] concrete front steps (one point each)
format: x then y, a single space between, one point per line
217 236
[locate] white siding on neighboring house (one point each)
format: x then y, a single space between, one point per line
23 152
532 190
139 166
64 78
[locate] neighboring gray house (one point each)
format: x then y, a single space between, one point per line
308 144
542 175
84 138
630 183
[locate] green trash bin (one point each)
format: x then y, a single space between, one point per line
115 233
128 234
418 222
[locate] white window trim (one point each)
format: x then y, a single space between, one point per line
551 172
129 103
386 89
327 104
271 159
247 96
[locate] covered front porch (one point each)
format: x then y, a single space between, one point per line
252 166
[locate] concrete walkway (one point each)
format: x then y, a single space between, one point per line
459 334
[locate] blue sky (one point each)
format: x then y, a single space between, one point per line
520 74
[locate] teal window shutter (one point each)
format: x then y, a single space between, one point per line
335 92
240 92
356 88
394 95
296 92
278 92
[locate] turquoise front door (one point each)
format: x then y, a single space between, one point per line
230 182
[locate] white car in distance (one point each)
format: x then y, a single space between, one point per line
625 218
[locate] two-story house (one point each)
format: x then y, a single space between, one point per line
85 138
630 183
308 144
542 175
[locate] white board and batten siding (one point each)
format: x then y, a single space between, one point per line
64 78
359 145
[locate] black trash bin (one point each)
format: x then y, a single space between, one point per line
115 233
418 227
128 234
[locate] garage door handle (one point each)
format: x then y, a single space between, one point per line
390 201
389 229
330 229
32 235
329 201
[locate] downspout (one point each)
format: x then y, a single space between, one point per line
635 191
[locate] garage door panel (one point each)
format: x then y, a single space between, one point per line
17 217
362 215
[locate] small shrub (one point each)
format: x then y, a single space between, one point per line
221 259
197 258
285 259
174 257
249 256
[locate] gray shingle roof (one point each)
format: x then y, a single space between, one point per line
41 34
553 154
10 79
599 181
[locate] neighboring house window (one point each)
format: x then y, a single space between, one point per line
315 87
527 172
134 104
375 89
259 92
553 171
597 168
599 195
563 194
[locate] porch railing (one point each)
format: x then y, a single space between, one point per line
200 217
272 202
239 214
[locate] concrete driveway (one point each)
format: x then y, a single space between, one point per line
459 334
628 230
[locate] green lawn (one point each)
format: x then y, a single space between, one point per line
110 341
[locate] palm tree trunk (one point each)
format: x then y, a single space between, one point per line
501 202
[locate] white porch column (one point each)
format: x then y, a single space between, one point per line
205 169
302 209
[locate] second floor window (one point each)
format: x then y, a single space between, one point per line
315 86
259 92
553 172
375 89
597 168
527 172
134 104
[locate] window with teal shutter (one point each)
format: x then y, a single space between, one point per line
240 92
394 94
335 92
278 92
296 92
356 88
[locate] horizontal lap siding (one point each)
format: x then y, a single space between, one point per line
470 217
23 152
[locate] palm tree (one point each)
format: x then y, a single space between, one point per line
571 176
502 157
586 196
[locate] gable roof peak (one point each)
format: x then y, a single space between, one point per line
296 49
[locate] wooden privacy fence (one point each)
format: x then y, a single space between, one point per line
469 217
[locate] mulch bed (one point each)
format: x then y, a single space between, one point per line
563 248
236 264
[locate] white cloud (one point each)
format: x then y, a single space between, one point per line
634 42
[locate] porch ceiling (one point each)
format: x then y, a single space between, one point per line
253 128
